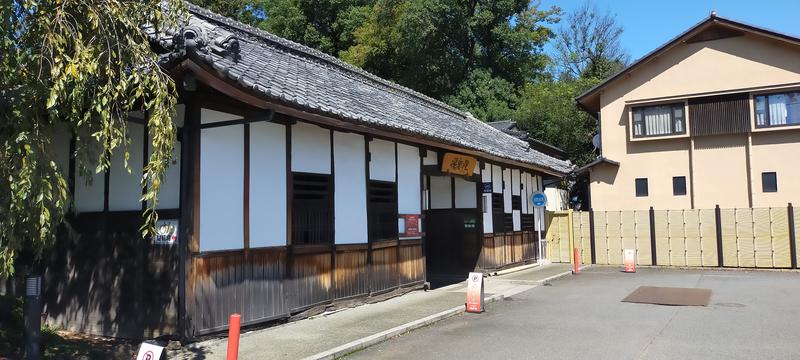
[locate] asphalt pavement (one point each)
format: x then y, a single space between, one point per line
751 315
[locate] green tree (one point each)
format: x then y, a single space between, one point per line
438 46
488 98
82 65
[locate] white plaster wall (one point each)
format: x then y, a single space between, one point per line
408 175
350 195
441 192
311 149
221 188
497 179
507 191
466 196
124 189
430 158
267 185
486 177
516 220
515 181
381 165
90 189
169 196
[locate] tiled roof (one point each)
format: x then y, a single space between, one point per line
288 72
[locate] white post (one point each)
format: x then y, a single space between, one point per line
539 230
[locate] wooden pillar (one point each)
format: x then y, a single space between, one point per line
718 222
591 235
653 254
792 236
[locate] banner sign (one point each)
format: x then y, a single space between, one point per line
475 292
149 351
458 164
410 225
630 260
166 232
487 188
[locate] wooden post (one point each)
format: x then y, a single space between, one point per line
792 236
653 236
591 235
571 233
718 220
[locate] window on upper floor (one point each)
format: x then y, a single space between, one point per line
778 109
769 182
641 187
658 120
678 185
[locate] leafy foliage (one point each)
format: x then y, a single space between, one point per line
587 45
79 65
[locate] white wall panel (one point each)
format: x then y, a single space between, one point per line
124 189
507 191
408 175
169 196
466 194
381 165
497 179
486 173
430 158
311 149
515 182
267 184
488 226
90 189
516 220
350 195
441 192
59 148
221 188
208 116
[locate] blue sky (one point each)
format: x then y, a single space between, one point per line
650 23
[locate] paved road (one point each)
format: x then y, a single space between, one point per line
752 315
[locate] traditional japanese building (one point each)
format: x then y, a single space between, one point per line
299 181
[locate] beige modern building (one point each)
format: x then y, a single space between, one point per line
710 118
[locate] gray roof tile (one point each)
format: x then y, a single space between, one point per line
280 69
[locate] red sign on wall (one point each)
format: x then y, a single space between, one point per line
411 225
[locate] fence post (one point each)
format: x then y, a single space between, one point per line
653 236
591 235
571 232
718 221
792 239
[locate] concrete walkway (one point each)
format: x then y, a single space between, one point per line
335 334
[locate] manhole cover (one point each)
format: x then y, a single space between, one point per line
730 304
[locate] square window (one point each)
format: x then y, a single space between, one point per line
769 182
641 187
679 185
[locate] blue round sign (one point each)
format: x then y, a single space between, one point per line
539 199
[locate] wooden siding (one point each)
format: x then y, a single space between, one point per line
716 115
101 277
255 282
501 250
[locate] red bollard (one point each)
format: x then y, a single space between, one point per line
575 257
233 337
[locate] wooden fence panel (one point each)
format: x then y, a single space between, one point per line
614 237
762 237
708 237
600 239
583 236
730 252
677 238
693 240
628 229
643 248
780 238
745 237
662 237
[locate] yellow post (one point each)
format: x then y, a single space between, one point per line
571 236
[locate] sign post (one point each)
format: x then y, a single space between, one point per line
475 292
539 201
148 351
